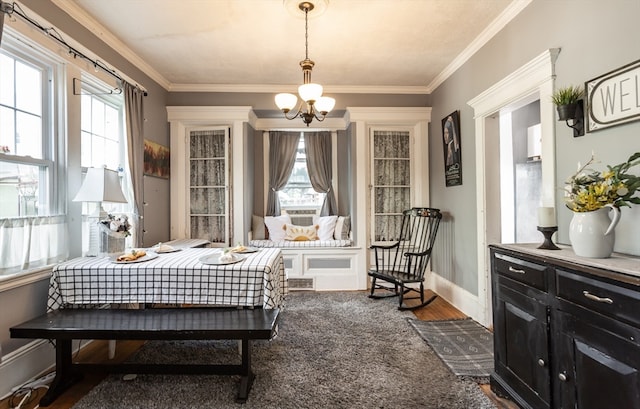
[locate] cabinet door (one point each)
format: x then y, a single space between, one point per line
595 368
521 336
390 182
209 185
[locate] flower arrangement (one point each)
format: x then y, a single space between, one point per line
589 190
118 224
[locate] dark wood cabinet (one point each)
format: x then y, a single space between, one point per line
566 329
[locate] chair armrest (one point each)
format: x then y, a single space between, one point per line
383 247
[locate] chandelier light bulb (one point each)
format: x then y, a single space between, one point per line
286 102
325 104
310 92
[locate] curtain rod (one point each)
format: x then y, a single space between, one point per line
11 8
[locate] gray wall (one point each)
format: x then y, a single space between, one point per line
155 113
595 37
28 301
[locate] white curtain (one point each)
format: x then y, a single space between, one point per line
31 242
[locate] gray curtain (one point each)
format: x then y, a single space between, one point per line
134 118
282 157
318 150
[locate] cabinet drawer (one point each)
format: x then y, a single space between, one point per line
608 299
526 272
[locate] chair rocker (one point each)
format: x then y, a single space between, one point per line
404 262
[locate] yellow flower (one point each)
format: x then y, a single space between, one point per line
589 190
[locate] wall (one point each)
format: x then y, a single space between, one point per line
27 298
594 39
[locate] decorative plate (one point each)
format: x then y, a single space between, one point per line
173 250
214 259
149 256
246 250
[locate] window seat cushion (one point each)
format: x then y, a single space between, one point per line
300 244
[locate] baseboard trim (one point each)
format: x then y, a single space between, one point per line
25 364
457 296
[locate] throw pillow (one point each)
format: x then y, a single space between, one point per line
257 227
326 226
300 233
343 228
275 226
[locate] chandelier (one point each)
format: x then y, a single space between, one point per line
313 104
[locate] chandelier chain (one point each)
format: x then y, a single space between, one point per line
306 33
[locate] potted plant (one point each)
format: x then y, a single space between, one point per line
566 101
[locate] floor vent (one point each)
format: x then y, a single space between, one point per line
301 284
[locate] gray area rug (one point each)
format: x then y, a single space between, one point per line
465 346
334 350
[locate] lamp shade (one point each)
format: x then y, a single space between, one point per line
286 102
100 185
310 92
325 104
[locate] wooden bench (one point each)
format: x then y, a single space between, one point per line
65 325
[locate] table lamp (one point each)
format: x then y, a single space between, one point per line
99 185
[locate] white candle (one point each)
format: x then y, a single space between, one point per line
546 217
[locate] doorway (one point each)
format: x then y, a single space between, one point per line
533 81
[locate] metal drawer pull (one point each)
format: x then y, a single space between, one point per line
596 298
515 270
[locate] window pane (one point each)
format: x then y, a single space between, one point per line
29 135
85 113
7 131
85 142
6 80
111 154
112 130
101 132
97 151
298 191
97 117
20 190
29 89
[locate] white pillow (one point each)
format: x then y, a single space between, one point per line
326 226
275 226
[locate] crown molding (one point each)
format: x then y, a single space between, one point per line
389 114
487 34
112 41
210 113
277 88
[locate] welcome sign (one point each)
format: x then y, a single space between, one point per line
614 98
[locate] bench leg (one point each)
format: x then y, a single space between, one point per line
65 375
247 376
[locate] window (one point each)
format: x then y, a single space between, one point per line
298 192
33 229
101 126
26 148
102 144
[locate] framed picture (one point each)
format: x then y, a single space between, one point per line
156 160
452 149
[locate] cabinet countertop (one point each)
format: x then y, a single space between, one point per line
618 263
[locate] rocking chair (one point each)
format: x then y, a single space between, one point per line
405 261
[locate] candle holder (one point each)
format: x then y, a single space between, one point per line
548 232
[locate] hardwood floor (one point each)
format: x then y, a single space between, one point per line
96 352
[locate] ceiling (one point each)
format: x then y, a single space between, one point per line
383 46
